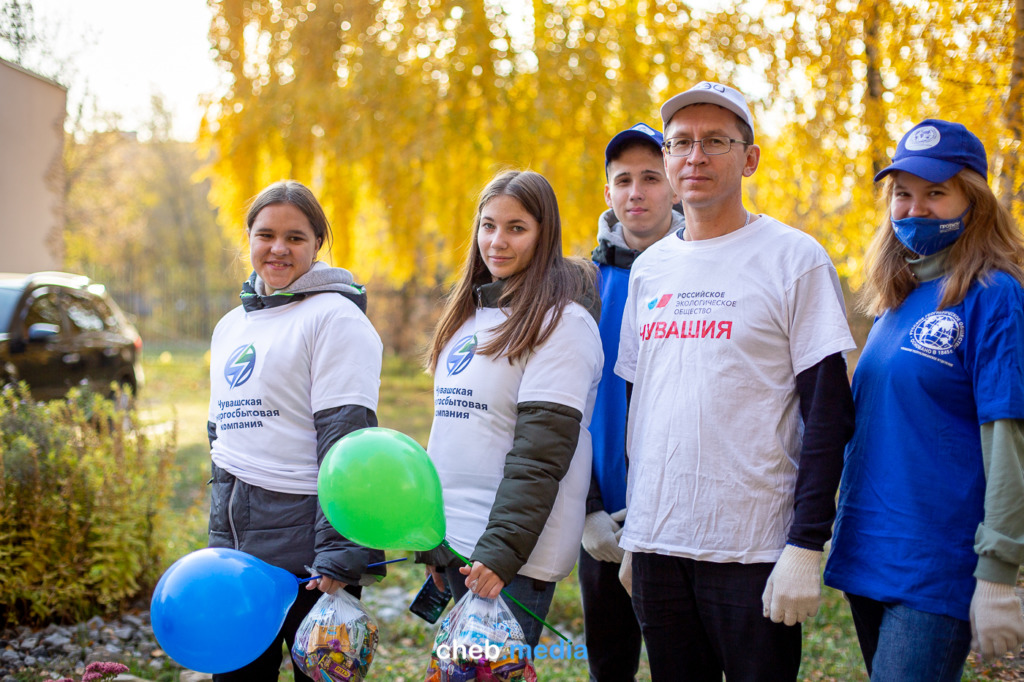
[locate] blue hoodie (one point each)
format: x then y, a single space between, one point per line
608 424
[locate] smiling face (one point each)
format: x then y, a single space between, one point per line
915 197
282 245
703 181
640 195
507 236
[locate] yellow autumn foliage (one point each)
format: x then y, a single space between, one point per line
397 112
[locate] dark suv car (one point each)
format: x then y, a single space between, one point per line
59 330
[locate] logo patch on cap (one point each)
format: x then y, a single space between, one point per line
704 85
645 129
924 137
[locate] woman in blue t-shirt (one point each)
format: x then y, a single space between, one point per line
930 529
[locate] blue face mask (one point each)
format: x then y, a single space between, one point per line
925 236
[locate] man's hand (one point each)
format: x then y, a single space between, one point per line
996 622
794 586
601 535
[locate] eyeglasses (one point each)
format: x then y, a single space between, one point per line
712 146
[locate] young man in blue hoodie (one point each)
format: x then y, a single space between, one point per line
639 213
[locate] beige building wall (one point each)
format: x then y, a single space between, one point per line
32 110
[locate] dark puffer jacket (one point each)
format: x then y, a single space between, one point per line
289 530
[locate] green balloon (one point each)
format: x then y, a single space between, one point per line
379 488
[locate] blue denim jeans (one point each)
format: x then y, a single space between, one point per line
536 595
901 644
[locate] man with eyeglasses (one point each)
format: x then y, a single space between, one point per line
732 338
639 199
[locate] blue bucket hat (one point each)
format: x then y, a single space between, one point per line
936 151
640 131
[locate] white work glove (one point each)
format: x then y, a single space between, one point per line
626 572
794 586
996 622
601 535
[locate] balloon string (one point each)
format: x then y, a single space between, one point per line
543 622
379 563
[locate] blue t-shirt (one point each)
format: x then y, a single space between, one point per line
608 425
913 487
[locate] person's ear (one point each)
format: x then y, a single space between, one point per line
608 195
752 160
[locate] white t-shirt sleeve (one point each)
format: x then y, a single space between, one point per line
345 361
565 367
817 318
629 343
216 364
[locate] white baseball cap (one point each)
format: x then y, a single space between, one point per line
706 92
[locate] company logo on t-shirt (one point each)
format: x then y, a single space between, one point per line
659 302
462 352
938 333
240 365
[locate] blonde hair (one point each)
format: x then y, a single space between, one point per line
990 242
548 282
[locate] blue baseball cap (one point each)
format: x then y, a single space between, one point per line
936 151
641 131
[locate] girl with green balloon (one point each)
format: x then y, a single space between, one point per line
516 359
292 370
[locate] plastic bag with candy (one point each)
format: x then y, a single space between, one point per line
336 640
480 640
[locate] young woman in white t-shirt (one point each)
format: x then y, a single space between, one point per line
516 359
292 370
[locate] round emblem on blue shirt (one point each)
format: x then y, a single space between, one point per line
240 365
462 352
938 333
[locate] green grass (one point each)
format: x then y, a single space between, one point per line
177 394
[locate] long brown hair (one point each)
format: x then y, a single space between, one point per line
990 242
547 283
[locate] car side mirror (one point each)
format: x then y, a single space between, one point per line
42 331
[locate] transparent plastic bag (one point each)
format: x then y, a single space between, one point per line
480 640
336 640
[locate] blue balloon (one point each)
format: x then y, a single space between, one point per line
217 609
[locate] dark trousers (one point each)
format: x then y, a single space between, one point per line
268 665
700 619
612 633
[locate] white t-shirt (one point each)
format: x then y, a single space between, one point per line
475 398
271 370
713 336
